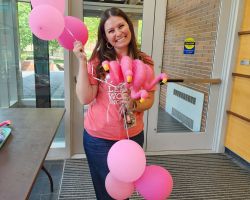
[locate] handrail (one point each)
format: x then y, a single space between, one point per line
243 32
237 115
240 75
195 80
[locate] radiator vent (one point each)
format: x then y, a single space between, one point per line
183 118
184 96
185 105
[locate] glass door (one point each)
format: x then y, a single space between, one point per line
42 69
32 70
8 54
184 116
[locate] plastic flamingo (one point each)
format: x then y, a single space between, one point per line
150 80
139 74
126 66
114 70
141 94
105 65
139 77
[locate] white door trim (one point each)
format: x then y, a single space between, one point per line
74 112
228 30
154 31
147 42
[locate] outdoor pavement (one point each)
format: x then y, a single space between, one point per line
56 85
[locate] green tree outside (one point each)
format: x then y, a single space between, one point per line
25 34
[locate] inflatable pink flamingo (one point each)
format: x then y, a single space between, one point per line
141 94
126 66
139 77
151 81
114 70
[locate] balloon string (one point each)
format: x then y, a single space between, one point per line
104 81
72 36
70 33
123 106
125 120
123 87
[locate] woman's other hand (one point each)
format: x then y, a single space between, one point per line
79 51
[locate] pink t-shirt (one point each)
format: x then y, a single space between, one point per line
104 117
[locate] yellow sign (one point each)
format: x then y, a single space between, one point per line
189 46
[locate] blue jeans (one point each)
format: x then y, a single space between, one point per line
96 150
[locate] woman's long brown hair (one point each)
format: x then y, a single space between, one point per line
102 52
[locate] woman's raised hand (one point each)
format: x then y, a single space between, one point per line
79 51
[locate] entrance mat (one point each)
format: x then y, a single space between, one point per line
196 177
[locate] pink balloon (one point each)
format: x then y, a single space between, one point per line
75 30
58 4
46 22
126 160
118 189
156 183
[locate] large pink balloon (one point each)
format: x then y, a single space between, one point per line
58 4
75 30
46 22
156 183
126 160
118 189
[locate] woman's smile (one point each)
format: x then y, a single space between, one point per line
118 34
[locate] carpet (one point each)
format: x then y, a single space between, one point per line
196 177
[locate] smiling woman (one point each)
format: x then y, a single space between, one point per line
103 123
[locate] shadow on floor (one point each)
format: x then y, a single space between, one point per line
41 188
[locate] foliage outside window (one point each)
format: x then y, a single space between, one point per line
25 34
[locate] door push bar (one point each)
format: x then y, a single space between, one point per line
195 80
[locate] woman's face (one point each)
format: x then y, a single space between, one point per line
118 34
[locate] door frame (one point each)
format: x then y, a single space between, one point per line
226 41
73 116
73 107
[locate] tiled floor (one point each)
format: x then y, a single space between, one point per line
41 188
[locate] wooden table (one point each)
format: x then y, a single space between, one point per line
23 154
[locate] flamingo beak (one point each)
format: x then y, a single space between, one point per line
163 81
106 67
142 100
129 79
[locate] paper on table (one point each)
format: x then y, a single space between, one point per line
4 134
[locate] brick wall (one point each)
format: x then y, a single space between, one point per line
197 19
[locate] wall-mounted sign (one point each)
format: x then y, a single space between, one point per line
189 46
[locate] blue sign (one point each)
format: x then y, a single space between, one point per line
189 46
